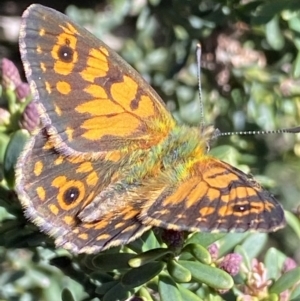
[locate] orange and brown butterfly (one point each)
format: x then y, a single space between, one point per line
109 162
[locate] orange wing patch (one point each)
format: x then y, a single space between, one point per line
63 87
96 65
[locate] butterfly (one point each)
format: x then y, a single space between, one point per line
109 161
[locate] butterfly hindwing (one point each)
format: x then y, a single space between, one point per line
54 199
217 197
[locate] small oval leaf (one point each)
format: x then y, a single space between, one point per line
118 292
148 256
13 151
167 289
144 293
138 276
199 252
66 295
213 277
254 244
205 239
109 262
188 295
286 281
103 288
178 272
274 35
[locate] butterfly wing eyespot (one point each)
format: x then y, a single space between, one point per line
66 53
71 194
69 70
241 208
217 198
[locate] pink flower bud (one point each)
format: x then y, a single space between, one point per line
10 74
22 91
289 264
213 249
30 118
231 263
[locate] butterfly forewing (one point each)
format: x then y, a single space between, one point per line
90 99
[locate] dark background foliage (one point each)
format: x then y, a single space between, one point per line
250 82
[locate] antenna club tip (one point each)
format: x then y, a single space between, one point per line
199 45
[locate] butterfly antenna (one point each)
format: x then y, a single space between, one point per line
294 130
198 54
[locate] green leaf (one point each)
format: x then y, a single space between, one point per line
109 262
147 242
13 150
102 277
295 295
296 72
17 239
4 140
286 281
188 295
293 222
273 34
254 244
199 252
205 239
66 295
148 256
103 288
118 292
228 242
213 277
144 293
268 10
273 262
246 260
178 272
167 289
138 276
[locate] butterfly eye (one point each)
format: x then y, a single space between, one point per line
71 195
66 53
